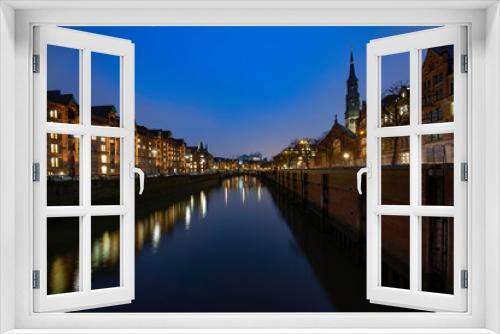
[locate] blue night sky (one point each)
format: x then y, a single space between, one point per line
238 89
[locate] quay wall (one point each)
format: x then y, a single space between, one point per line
332 194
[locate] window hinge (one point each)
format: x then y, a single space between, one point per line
36 172
465 64
36 63
36 279
464 171
464 278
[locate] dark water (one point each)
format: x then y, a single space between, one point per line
240 247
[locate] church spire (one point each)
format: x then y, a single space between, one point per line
352 101
352 72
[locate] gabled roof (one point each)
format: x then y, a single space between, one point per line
440 50
103 111
55 96
343 129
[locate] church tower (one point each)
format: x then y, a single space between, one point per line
352 103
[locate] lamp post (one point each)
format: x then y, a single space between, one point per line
346 158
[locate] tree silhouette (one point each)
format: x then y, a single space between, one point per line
396 112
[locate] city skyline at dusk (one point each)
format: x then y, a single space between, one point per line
239 89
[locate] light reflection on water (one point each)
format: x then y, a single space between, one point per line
64 269
62 279
203 204
211 251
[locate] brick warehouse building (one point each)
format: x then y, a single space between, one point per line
156 151
345 145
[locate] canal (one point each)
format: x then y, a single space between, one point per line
239 246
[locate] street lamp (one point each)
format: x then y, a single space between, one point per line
346 157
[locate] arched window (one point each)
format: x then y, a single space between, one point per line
337 147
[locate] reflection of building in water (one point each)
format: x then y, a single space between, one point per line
151 228
203 204
332 196
63 274
63 263
106 250
328 247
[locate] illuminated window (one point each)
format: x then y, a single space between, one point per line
104 158
104 170
403 110
54 148
404 158
54 162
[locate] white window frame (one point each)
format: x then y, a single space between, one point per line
413 43
85 44
16 21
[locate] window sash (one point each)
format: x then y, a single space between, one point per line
415 297
86 297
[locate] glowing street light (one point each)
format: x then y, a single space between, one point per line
346 157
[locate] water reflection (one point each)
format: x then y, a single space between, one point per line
63 255
261 254
188 218
203 204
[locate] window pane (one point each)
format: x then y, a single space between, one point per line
437 169
105 252
63 177
63 84
105 171
395 99
395 170
396 251
105 89
63 242
437 254
437 84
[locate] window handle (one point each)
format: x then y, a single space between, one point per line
361 171
135 170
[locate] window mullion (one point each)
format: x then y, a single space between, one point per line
414 171
85 182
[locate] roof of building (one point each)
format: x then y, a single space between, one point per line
103 111
179 141
341 128
56 97
142 130
442 50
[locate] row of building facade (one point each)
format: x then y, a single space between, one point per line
345 144
156 151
